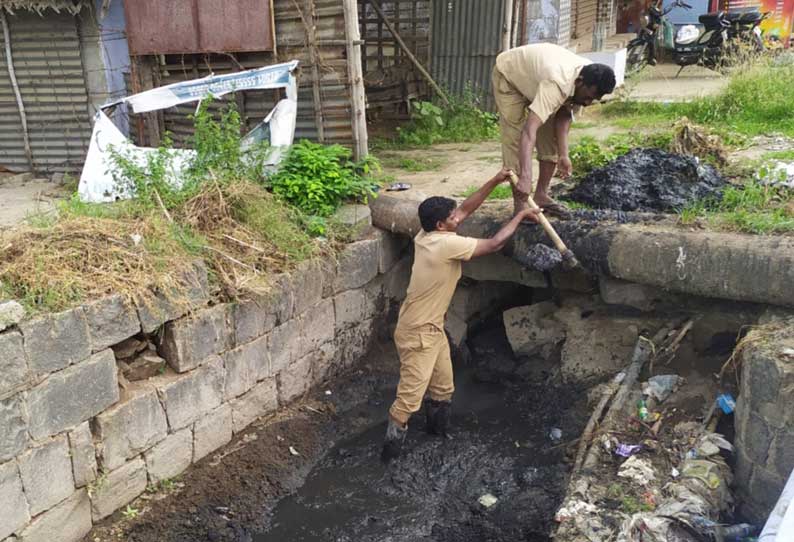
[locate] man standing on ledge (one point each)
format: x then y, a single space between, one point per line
425 362
537 89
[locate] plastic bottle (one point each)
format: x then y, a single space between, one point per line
642 410
735 533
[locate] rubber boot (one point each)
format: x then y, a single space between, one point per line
438 415
393 443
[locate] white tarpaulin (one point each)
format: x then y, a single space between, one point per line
97 181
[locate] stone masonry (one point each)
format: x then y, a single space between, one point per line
75 446
764 418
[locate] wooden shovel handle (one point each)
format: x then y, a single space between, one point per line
542 219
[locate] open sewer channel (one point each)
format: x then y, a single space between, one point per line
501 447
338 490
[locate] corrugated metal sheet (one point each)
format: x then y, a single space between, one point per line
49 70
291 44
466 37
198 26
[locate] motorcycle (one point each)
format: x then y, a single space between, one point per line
723 39
642 49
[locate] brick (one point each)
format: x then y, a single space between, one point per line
295 380
317 327
73 395
352 344
496 267
758 439
328 270
630 294
212 431
349 307
253 318
81 449
13 363
13 428
245 366
47 475
56 341
11 313
358 264
14 507
324 363
391 248
190 341
284 345
283 298
70 521
307 286
189 396
765 378
781 453
135 424
110 321
118 489
160 307
261 400
171 456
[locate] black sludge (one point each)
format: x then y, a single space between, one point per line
648 180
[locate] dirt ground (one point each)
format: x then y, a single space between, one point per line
21 198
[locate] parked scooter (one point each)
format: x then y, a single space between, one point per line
642 49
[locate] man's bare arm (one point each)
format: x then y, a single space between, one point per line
526 144
473 202
562 125
497 242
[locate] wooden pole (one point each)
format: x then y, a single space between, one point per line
507 28
13 76
409 54
314 56
356 79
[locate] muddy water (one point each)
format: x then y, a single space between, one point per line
504 413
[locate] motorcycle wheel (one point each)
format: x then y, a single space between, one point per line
636 58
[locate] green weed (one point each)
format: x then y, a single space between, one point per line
130 512
461 121
757 100
778 155
502 191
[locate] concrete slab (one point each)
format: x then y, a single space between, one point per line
660 84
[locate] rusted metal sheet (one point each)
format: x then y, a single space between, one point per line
198 26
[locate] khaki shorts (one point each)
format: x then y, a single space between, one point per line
513 110
425 366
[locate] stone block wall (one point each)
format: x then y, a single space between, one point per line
765 419
78 442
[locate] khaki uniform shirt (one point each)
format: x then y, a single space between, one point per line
543 73
434 277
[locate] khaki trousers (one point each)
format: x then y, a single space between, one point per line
513 110
425 366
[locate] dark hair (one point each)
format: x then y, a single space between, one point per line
600 76
434 210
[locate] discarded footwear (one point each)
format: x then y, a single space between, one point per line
557 210
439 415
393 443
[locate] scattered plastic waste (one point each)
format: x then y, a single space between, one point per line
726 402
555 434
778 174
627 450
487 500
328 392
574 509
734 533
293 451
642 410
398 187
675 473
662 386
637 470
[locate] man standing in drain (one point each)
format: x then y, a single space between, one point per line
537 89
425 362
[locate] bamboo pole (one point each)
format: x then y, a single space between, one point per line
356 79
314 55
13 76
507 28
409 54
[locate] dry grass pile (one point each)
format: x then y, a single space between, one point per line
244 234
83 258
694 140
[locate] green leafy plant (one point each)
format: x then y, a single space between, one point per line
318 178
502 191
588 154
130 512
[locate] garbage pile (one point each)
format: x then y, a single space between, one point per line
649 180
